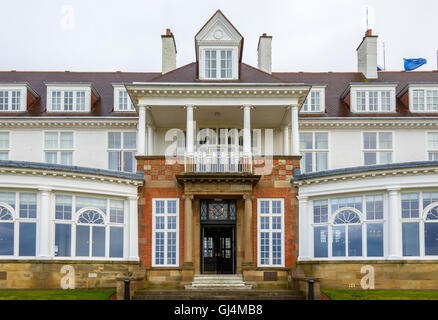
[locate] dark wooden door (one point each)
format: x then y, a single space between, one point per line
218 250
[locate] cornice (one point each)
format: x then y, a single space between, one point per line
35 122
387 122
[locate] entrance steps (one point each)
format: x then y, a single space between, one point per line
215 282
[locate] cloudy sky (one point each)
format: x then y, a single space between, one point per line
310 35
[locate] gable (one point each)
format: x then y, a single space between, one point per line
218 29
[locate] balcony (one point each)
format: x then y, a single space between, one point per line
219 161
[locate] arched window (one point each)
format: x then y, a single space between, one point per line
6 230
347 233
431 230
90 233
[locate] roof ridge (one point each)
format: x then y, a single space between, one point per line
67 71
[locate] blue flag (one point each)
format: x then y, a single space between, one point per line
412 64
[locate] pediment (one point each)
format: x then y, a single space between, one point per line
218 29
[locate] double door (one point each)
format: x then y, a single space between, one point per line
218 249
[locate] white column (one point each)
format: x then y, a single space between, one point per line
141 139
295 131
247 129
189 130
394 225
150 141
305 228
44 223
133 228
286 140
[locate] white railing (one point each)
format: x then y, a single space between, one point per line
218 162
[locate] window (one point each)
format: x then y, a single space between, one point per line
85 219
165 232
424 100
68 99
122 101
314 101
377 148
354 227
373 100
432 146
13 99
18 224
419 224
218 64
4 145
58 148
121 151
270 232
314 150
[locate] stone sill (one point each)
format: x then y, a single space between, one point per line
52 261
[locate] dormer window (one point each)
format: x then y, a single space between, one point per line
315 101
13 98
218 64
69 98
372 98
425 100
122 101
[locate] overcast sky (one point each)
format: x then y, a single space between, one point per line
310 35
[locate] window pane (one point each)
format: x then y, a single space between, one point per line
4 155
370 158
306 140
98 241
67 158
321 161
116 211
67 140
276 248
129 140
410 205
375 240
385 157
411 239
431 239
62 240
114 140
264 248
28 205
51 157
6 239
27 242
321 140
68 100
307 162
432 140
370 140
51 140
354 241
338 244
114 160
4 100
171 248
80 100
128 161
82 241
320 211
4 140
320 239
385 140
159 248
116 242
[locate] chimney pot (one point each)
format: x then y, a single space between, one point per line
168 32
369 33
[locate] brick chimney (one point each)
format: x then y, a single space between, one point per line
168 52
367 56
264 52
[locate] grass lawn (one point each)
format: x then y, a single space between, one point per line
57 295
381 295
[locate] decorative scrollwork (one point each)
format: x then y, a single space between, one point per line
91 217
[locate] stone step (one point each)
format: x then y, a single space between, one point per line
214 282
218 295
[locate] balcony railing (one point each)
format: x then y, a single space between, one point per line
218 162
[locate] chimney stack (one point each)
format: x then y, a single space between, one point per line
168 52
367 56
264 51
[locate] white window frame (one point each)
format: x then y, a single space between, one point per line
119 89
430 150
73 223
364 222
378 150
23 97
8 149
59 150
108 150
218 49
425 89
16 221
69 88
270 231
314 151
165 231
307 107
367 89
